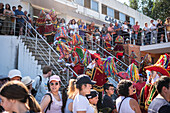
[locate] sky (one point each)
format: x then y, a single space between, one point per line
122 1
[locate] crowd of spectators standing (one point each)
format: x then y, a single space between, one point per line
17 95
155 33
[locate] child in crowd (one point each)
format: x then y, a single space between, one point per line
93 99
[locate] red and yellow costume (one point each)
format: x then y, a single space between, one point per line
40 22
148 92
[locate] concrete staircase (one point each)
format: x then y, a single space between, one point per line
45 56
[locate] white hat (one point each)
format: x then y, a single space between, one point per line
27 80
14 73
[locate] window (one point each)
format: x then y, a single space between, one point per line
132 21
87 3
116 14
122 17
104 9
110 12
80 2
94 5
127 18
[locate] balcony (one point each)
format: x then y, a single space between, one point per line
156 48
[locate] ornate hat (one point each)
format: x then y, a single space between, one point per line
119 39
133 55
162 65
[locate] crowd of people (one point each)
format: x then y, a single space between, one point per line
11 21
85 91
157 29
25 95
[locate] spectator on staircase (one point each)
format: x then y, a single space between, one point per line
167 24
13 9
7 25
1 13
153 30
146 34
125 30
40 84
20 21
161 32
135 32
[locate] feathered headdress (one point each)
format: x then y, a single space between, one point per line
133 72
87 57
109 66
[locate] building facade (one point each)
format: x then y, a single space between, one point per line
98 11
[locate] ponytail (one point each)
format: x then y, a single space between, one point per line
64 99
33 104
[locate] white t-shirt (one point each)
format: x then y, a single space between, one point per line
42 90
125 27
74 28
81 103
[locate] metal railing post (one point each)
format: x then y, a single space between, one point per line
130 36
67 75
36 44
25 30
142 39
166 39
14 25
49 56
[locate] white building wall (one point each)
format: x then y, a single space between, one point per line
8 53
14 55
27 63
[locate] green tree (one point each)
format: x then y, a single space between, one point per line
134 4
161 9
146 7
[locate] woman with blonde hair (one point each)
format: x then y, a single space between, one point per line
71 95
15 97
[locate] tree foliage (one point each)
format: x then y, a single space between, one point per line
134 4
152 8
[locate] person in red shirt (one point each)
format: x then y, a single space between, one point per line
139 85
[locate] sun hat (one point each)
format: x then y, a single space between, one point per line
27 80
54 77
14 73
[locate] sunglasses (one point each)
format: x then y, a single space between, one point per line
54 83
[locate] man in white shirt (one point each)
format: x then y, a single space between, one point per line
153 30
125 30
40 84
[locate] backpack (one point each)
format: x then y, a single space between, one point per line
34 91
49 105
